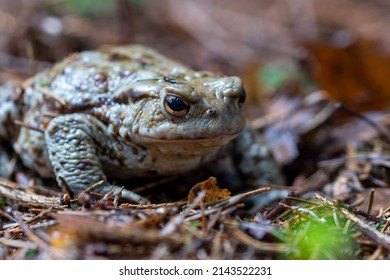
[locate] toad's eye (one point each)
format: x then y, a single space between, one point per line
242 97
176 106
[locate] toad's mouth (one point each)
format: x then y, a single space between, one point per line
215 141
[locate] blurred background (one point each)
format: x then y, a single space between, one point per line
234 37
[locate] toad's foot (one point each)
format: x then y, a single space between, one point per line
74 143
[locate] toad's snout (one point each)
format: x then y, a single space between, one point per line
226 87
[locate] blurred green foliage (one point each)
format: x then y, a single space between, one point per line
3 202
94 8
273 76
325 238
31 253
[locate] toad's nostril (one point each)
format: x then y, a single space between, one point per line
242 97
212 112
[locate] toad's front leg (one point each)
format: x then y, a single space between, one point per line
73 143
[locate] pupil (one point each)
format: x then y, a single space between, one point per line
176 104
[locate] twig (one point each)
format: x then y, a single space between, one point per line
370 201
235 199
175 221
303 200
362 213
93 187
30 234
258 245
18 243
376 253
377 236
263 121
30 200
40 216
384 135
89 229
280 207
50 94
318 119
304 210
386 226
384 212
374 157
23 124
153 206
225 204
208 212
67 187
7 216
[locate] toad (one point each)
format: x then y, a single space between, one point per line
128 111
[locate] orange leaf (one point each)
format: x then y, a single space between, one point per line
358 75
212 192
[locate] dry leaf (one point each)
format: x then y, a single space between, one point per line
356 75
212 192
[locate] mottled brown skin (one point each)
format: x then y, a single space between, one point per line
124 112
